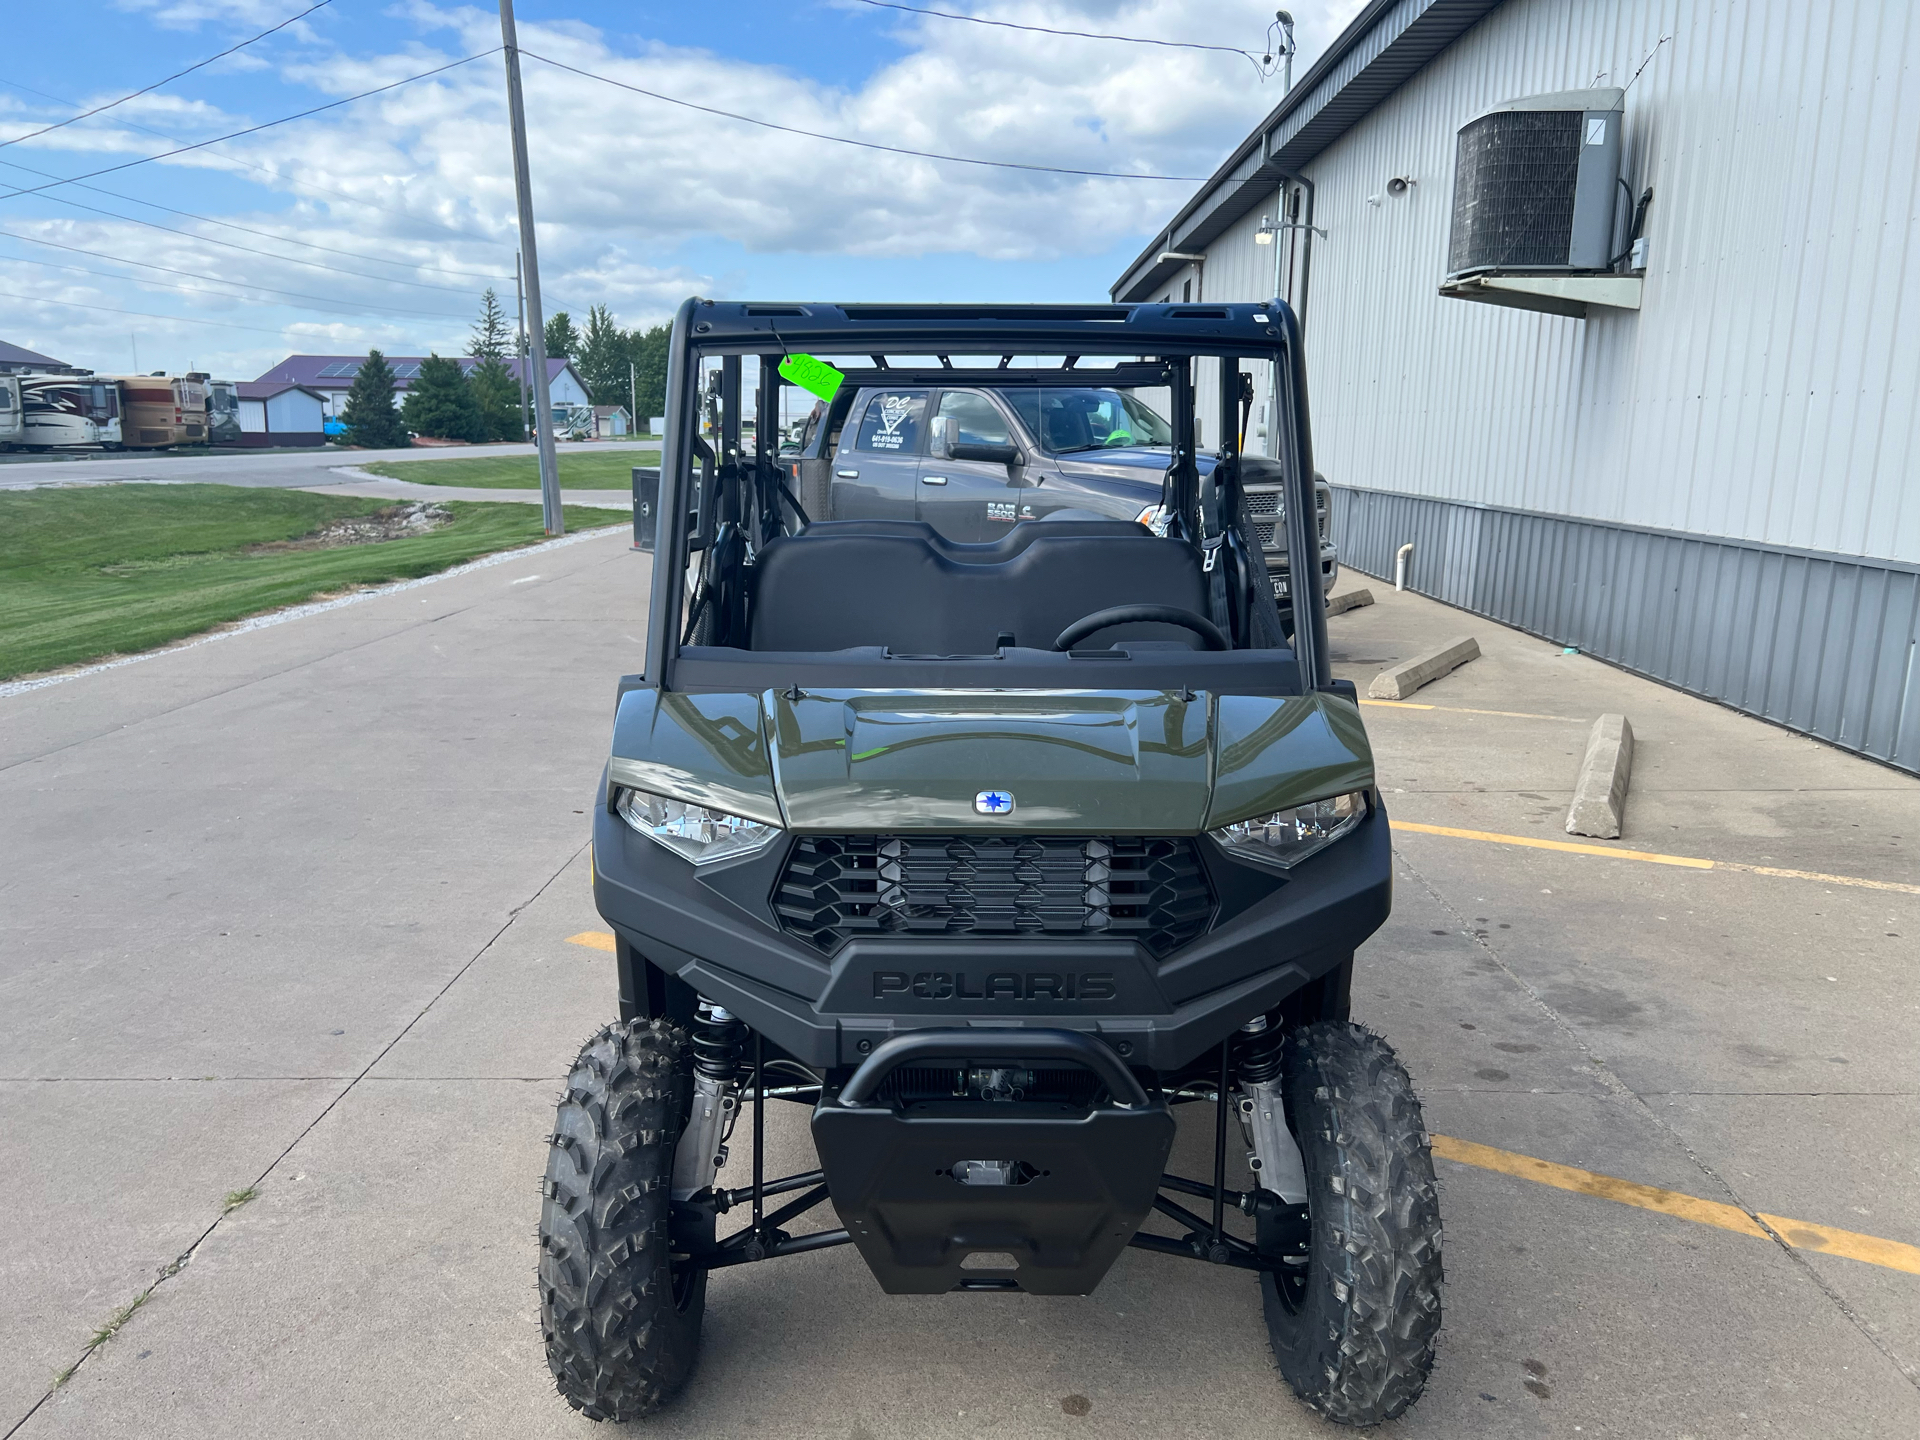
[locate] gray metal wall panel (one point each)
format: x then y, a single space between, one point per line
1824 644
1763 392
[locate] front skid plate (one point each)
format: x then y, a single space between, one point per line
1093 1177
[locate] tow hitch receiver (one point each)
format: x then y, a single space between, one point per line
963 1160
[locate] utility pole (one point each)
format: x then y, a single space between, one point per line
1286 25
530 273
520 352
633 397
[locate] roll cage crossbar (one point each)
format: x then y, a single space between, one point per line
718 499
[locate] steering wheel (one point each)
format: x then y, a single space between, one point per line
1141 614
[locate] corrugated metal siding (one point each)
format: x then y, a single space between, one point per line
1765 390
1718 491
1823 644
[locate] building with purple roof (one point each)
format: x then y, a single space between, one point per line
332 376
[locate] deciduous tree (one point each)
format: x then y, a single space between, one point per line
562 340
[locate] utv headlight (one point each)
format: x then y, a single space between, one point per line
1287 837
693 832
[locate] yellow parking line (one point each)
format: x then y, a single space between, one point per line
1463 710
1571 847
1801 1234
1649 857
593 940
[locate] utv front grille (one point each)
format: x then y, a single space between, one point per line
1149 888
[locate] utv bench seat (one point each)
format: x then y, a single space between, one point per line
899 583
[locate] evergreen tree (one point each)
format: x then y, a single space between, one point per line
497 394
440 403
370 418
649 355
491 335
562 340
603 359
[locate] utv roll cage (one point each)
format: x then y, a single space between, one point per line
722 500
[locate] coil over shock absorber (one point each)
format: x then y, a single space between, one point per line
717 1038
1275 1160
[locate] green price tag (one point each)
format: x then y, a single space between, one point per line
816 377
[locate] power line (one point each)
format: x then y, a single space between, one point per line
140 314
197 65
219 279
294 183
232 245
162 284
844 140
1077 34
252 129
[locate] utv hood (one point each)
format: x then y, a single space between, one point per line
1136 762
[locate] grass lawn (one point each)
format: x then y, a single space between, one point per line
602 470
111 569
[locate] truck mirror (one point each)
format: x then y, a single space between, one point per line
945 430
1003 453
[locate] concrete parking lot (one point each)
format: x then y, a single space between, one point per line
291 914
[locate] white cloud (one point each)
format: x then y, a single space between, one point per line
625 185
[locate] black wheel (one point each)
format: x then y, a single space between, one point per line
620 1313
1354 1330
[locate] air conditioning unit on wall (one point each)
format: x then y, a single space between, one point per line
1535 193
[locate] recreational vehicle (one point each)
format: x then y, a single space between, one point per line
223 412
11 425
63 411
163 410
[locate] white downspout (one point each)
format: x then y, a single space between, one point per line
1400 566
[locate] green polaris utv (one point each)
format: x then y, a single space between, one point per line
992 851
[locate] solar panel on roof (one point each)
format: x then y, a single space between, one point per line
339 370
405 372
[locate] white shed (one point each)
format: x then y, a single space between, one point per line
278 413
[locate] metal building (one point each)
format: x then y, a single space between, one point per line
1710 480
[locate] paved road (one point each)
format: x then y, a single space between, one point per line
295 468
292 908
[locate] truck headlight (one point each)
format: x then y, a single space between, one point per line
1156 518
693 832
1287 837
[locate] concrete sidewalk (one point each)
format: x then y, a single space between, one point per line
293 910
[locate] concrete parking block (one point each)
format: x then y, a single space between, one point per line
1402 680
1600 793
1348 600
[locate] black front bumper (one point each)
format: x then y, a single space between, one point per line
1081 1179
716 930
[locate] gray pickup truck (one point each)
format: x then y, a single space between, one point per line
972 453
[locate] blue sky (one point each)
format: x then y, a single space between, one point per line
381 221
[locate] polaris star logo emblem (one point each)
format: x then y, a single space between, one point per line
993 802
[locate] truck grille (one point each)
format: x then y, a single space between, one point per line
1149 888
